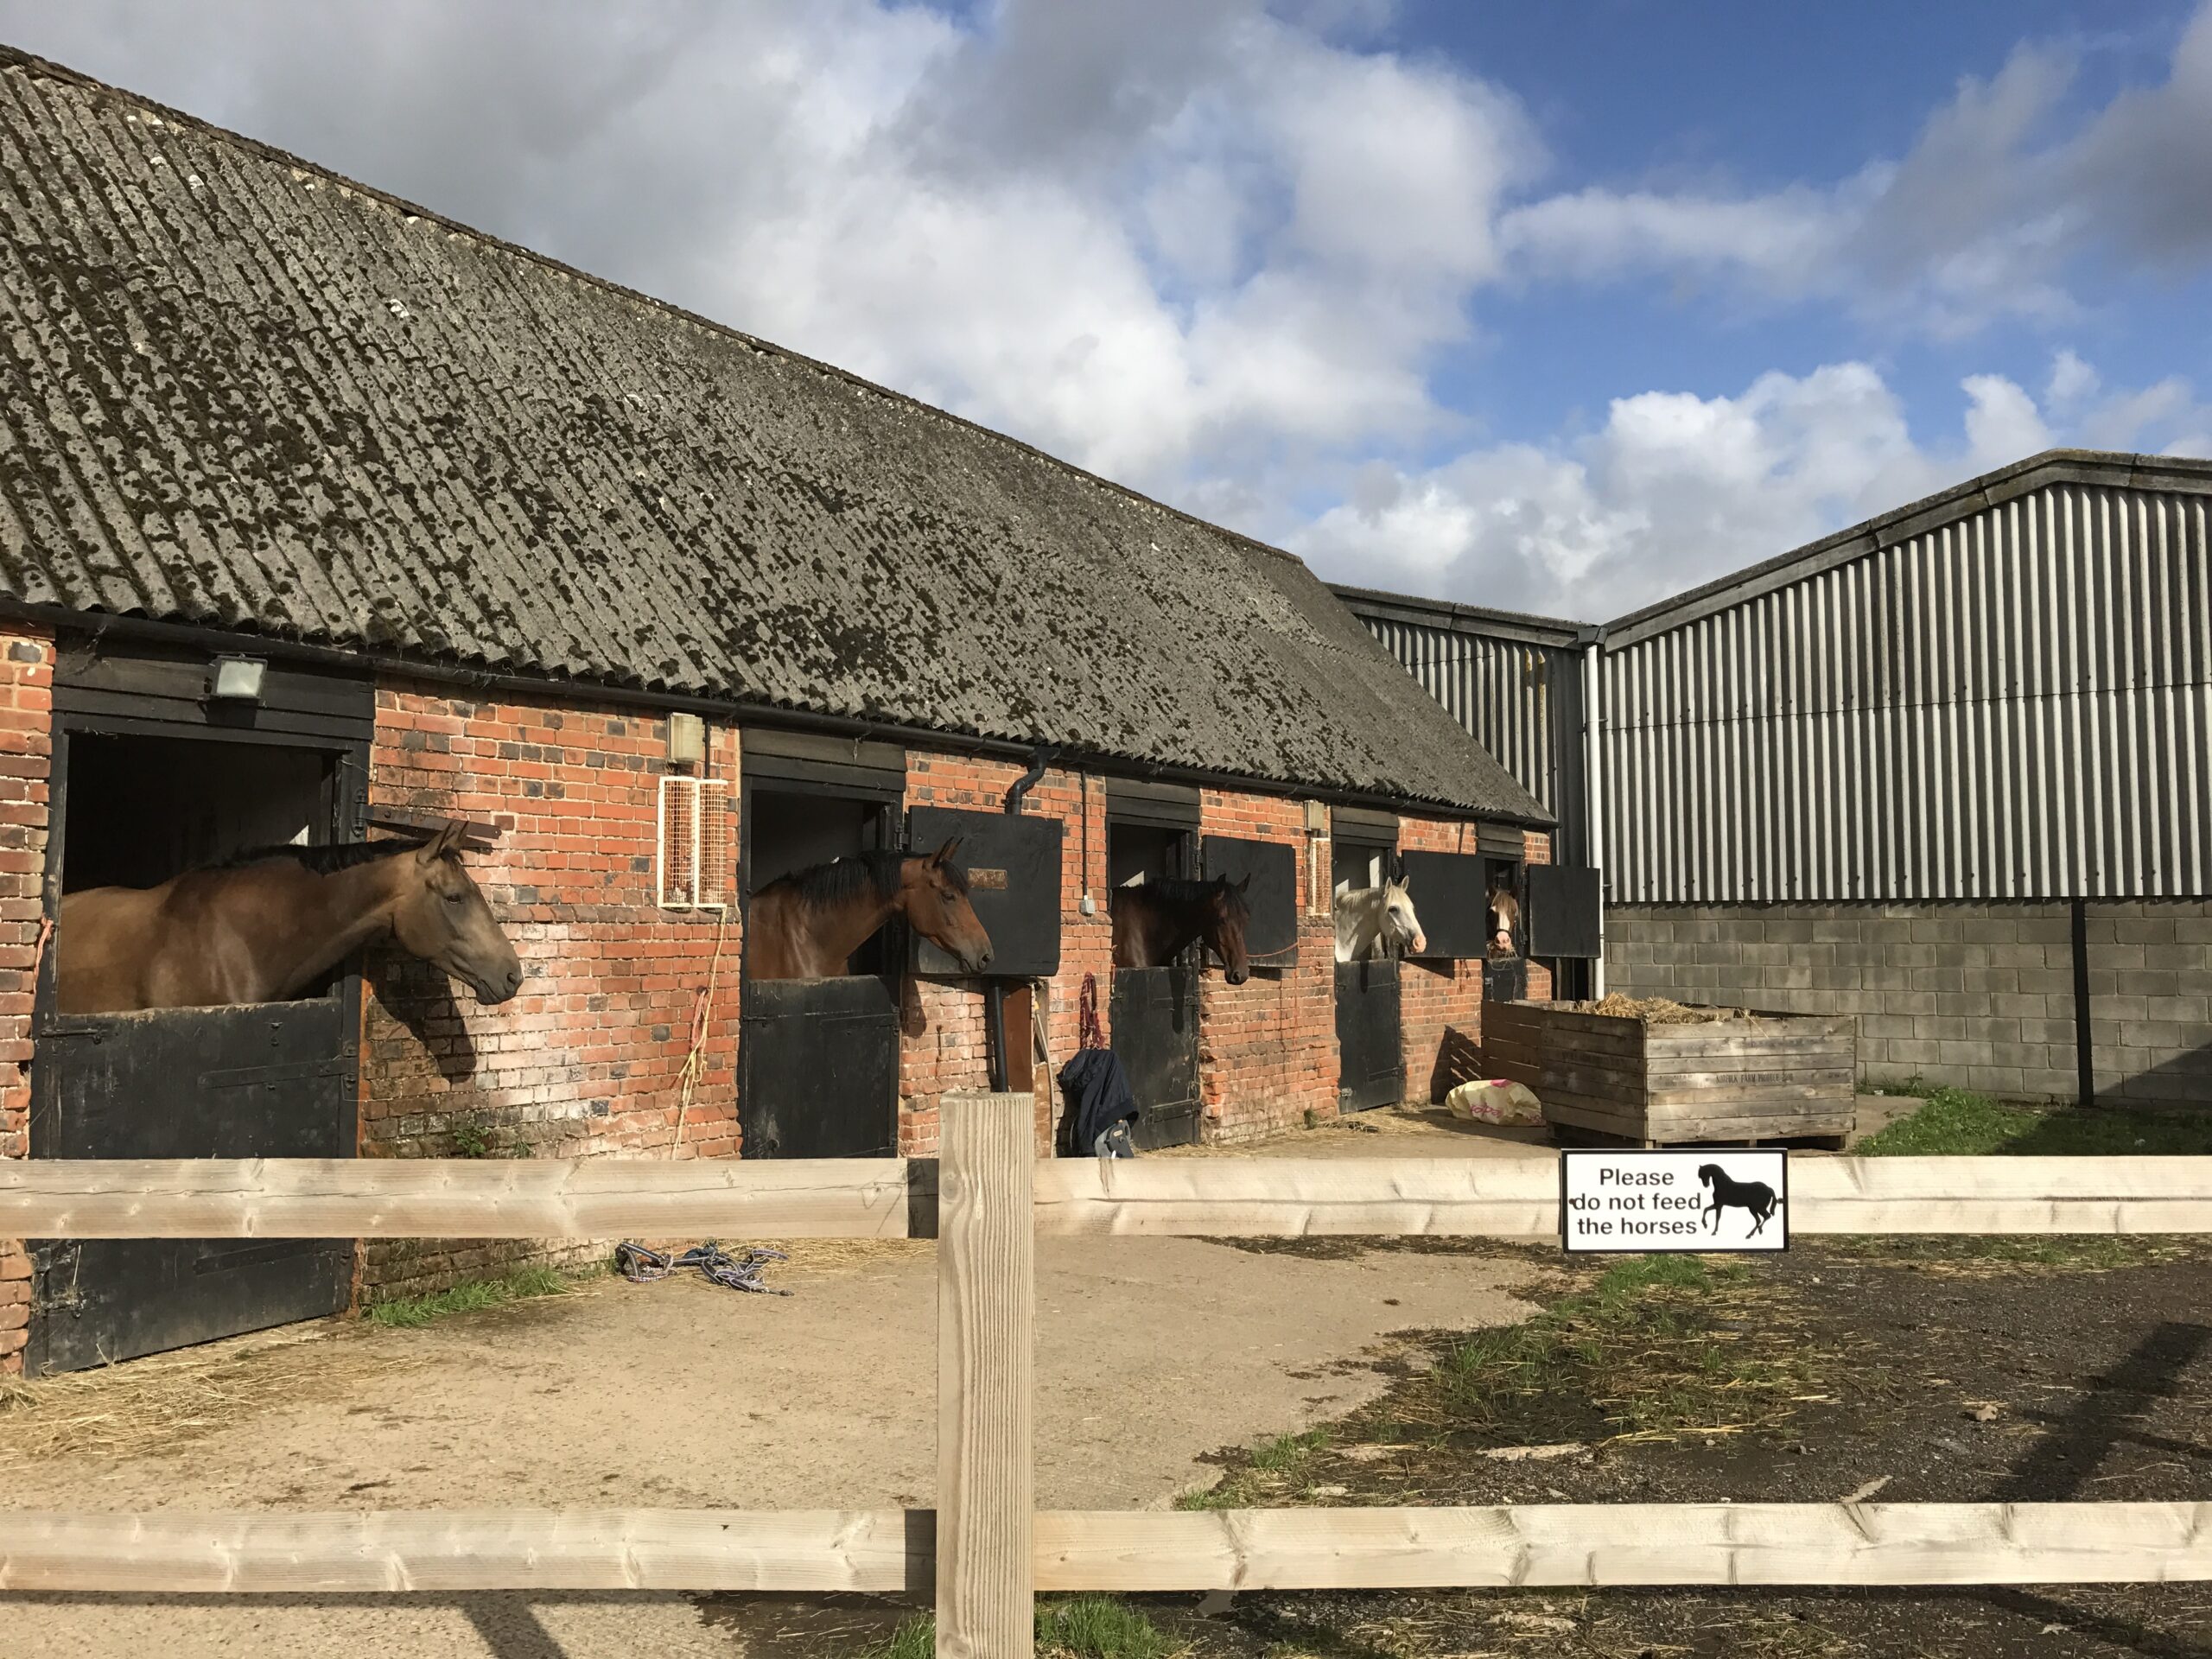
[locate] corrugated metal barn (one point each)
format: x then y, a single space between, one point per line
1949 770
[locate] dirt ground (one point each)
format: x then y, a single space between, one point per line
1945 1371
1151 1354
1291 1372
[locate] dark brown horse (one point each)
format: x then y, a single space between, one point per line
263 926
1156 920
804 925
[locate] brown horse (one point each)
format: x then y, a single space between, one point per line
264 925
1156 920
804 925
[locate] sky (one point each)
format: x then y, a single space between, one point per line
1560 308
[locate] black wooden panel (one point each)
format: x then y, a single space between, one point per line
1564 911
1506 979
160 689
1370 1036
268 1080
877 770
1013 863
1365 826
1271 936
818 1068
1453 900
1152 1014
1499 841
1166 806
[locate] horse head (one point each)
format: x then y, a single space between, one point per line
439 915
1399 919
1505 920
1225 910
933 894
1705 1173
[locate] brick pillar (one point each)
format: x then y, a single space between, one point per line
25 757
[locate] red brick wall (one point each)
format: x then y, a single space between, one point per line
944 1047
1267 1048
1442 1002
588 1058
25 754
1536 848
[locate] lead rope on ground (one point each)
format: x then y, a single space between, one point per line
642 1265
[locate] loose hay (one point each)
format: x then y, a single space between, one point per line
1661 1011
163 1403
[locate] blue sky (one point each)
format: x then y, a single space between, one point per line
1557 306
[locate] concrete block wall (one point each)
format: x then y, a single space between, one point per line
589 1060
1976 996
2151 1002
26 759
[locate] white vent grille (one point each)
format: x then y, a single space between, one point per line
693 869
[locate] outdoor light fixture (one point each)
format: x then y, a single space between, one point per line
236 679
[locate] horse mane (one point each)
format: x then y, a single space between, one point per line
326 858
870 875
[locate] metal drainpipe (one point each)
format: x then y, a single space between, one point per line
1592 641
995 988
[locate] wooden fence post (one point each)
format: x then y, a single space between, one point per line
986 1317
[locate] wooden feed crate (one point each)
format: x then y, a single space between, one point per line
1769 1076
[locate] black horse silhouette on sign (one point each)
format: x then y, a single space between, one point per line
1727 1192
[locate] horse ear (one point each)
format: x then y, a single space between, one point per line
445 845
944 854
1245 886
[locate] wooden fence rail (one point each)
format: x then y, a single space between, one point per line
1497 1198
984 1548
892 1551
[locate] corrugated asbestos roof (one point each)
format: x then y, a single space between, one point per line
243 392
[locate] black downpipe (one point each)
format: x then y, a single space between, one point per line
998 1045
2085 1060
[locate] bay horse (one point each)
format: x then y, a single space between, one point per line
1378 922
806 924
262 926
1155 920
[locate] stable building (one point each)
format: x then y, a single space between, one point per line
1948 770
322 516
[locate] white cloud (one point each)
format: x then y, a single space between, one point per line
1675 490
1222 250
1989 214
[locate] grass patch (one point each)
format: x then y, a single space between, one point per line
1954 1123
1268 1467
1659 1346
408 1313
1076 1627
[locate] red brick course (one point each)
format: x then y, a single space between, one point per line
26 757
589 1060
944 1049
1441 1003
1268 1058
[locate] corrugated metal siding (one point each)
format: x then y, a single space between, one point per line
2014 705
1499 689
1522 701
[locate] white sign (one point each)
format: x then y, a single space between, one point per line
1701 1199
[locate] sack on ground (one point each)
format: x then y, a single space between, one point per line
1495 1100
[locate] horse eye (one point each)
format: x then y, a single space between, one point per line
453 898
